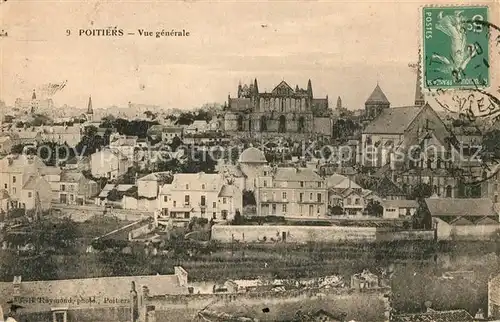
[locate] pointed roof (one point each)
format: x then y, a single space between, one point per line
284 87
255 86
89 108
377 96
34 95
339 102
419 96
309 87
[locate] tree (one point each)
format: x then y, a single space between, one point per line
374 208
90 143
421 191
176 143
422 219
336 210
248 198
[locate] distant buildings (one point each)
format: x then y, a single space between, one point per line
33 105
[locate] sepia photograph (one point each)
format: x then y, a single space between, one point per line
252 161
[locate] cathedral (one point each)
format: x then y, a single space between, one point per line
287 111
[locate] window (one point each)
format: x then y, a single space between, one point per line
13 190
319 184
319 197
283 195
264 196
273 209
265 173
203 200
301 197
63 187
175 203
72 197
283 208
29 194
13 179
214 215
187 186
311 196
186 215
224 200
186 199
5 186
265 183
60 316
318 209
495 200
348 201
214 204
165 198
203 187
302 184
356 201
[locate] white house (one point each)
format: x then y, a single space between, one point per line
200 195
395 209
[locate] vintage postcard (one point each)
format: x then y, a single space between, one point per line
288 161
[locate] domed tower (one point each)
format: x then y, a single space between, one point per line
251 162
376 103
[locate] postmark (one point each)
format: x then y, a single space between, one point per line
455 47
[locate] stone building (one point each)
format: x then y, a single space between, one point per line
286 111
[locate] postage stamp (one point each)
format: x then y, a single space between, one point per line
455 47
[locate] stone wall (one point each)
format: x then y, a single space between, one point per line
303 234
369 305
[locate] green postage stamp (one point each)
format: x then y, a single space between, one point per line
455 47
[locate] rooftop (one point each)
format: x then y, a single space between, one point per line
393 120
477 207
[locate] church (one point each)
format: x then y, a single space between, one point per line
283 111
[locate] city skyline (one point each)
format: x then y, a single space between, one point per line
237 42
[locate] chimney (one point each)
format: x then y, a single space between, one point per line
17 285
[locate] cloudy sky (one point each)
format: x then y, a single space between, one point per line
343 47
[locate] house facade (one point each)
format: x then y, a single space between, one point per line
200 195
291 192
76 189
109 164
17 170
398 209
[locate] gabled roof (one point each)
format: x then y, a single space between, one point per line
455 207
283 86
195 181
393 120
386 187
71 176
337 181
377 97
36 183
229 191
400 203
296 174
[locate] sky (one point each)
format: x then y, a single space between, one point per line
345 48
